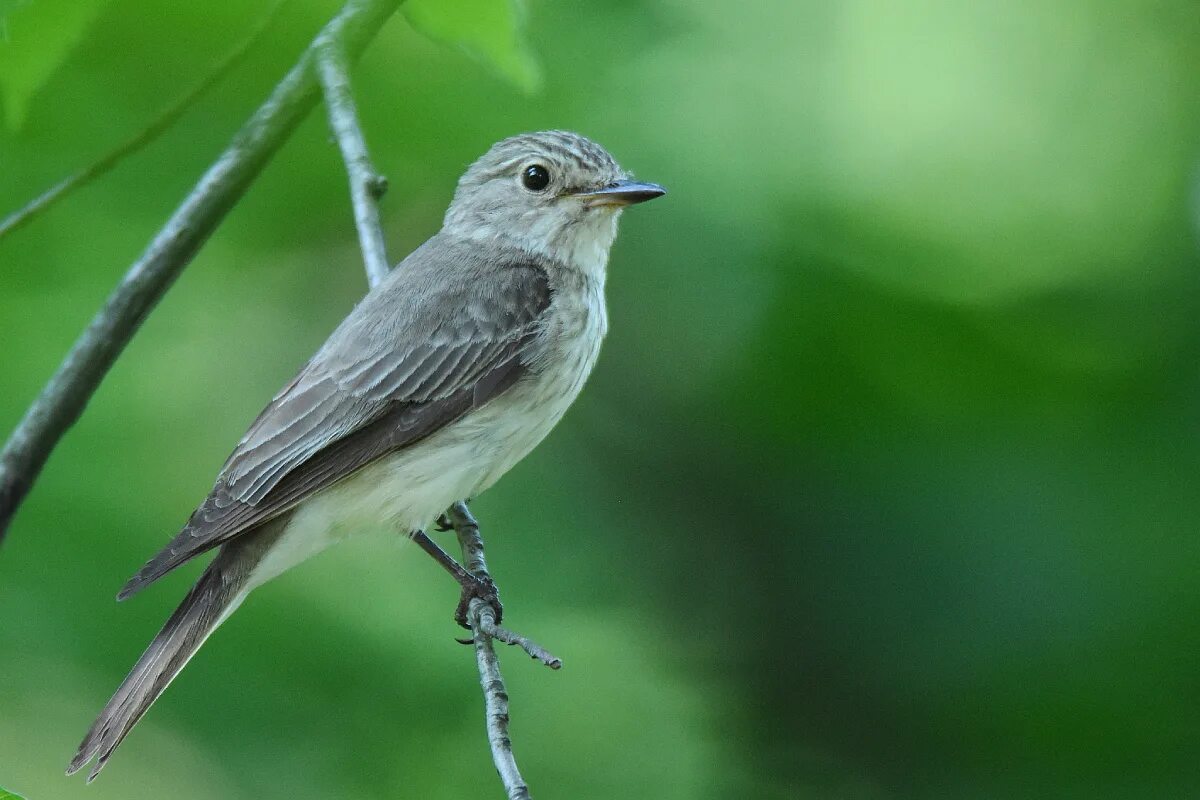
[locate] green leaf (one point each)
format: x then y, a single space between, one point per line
7 795
36 36
6 8
489 30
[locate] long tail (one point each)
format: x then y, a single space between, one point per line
216 594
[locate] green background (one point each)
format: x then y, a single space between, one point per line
885 485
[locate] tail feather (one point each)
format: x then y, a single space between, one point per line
216 594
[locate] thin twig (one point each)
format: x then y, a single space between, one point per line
165 120
531 648
466 527
366 185
67 393
482 619
495 701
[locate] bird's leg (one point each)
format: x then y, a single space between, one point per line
473 586
445 522
484 617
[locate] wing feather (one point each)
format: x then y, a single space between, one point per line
395 371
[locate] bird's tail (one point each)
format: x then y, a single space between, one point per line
216 594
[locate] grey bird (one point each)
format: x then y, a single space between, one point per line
444 376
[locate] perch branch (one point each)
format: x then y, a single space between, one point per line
495 693
63 399
165 120
466 527
495 701
481 616
366 185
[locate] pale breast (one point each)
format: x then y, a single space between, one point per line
510 426
409 488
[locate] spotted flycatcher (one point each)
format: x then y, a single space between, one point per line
441 379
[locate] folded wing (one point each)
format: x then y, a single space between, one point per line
418 353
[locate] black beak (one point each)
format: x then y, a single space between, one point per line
622 193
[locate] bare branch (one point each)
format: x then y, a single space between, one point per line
165 120
495 701
532 648
466 528
366 185
481 616
65 396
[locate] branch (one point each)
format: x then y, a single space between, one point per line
495 694
495 701
65 396
481 616
366 185
471 541
166 119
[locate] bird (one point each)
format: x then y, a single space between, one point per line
446 374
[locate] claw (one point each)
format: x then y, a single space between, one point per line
485 590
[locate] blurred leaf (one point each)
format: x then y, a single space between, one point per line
35 38
7 7
489 30
7 795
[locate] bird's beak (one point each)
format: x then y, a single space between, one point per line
621 193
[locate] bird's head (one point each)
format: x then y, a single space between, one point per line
555 193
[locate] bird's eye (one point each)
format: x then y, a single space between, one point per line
535 177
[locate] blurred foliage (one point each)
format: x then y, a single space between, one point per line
37 37
490 30
886 484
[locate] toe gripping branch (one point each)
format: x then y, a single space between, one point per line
479 609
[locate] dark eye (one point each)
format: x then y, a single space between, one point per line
535 177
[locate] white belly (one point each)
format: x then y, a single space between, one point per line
410 488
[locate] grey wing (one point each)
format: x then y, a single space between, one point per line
384 380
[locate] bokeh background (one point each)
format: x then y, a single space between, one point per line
885 485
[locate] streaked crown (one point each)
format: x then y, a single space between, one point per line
532 192
580 162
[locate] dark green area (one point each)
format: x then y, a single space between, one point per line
886 484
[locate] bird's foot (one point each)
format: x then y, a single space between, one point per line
484 623
443 524
476 587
